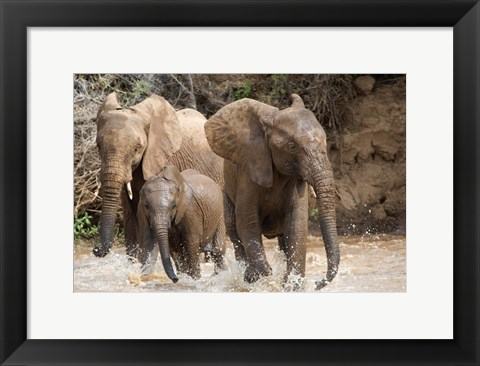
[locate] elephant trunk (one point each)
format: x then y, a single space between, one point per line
112 184
161 237
324 187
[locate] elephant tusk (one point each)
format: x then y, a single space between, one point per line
129 190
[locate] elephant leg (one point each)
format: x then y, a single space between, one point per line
180 264
147 255
219 248
193 262
190 250
130 220
250 234
177 254
282 244
239 249
231 229
130 224
295 236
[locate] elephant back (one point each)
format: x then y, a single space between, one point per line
195 152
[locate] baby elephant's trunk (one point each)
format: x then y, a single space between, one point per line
161 236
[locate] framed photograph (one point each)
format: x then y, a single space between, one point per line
280 108
363 135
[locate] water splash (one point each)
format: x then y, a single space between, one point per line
369 263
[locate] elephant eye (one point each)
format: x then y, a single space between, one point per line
291 147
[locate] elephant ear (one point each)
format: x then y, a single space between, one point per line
237 133
297 101
164 136
173 174
110 103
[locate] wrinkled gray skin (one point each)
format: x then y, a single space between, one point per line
136 143
183 213
272 155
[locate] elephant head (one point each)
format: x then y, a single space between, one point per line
142 137
261 138
162 201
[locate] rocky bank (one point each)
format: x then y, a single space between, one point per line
369 160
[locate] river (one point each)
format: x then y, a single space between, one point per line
369 263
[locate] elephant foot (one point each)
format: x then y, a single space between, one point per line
195 276
207 257
131 248
253 274
100 252
132 259
132 253
293 283
219 266
218 262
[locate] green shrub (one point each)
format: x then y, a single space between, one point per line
243 92
278 88
83 227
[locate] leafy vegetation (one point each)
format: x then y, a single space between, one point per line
243 92
314 213
278 87
83 227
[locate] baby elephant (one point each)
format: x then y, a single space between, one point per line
183 213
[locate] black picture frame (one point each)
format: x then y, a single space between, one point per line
18 15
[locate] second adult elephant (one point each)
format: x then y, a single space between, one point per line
136 143
272 155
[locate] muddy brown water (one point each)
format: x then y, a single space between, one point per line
369 263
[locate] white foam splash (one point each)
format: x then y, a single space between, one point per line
368 264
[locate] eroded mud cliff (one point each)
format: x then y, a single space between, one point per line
369 159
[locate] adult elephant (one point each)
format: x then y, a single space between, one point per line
136 143
272 154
